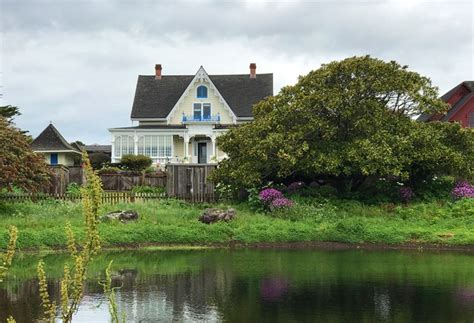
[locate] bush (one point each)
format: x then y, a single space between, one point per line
269 199
98 160
463 190
108 170
406 194
136 162
73 188
150 170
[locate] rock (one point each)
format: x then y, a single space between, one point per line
122 216
214 215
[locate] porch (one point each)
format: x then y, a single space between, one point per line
183 146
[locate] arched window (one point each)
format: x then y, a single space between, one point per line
124 145
201 92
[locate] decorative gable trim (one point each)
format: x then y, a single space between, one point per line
202 77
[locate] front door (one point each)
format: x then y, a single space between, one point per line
53 159
202 153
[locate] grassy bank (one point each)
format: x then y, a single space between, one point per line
41 225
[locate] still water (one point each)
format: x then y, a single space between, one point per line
262 286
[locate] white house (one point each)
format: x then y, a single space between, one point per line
180 116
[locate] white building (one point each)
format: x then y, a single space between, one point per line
180 116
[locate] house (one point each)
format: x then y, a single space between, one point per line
56 150
98 149
180 116
461 100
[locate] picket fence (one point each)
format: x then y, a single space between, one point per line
107 197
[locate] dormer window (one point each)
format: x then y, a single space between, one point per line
201 92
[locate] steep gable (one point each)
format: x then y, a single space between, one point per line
51 140
156 98
458 98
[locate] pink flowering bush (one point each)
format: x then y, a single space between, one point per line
270 199
281 203
462 190
406 194
269 194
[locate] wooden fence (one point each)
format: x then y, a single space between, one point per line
190 182
107 197
123 182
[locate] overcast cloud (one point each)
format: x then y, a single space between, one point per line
76 63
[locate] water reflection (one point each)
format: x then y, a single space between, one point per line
262 286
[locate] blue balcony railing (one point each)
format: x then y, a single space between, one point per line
195 118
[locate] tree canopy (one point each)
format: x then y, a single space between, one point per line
347 120
19 165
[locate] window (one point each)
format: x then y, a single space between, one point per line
202 111
197 111
155 146
201 92
470 121
123 145
206 111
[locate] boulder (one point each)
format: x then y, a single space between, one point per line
214 215
122 216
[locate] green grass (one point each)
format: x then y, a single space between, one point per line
41 225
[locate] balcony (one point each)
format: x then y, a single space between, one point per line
216 118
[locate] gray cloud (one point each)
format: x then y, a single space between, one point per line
75 62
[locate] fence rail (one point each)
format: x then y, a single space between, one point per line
107 197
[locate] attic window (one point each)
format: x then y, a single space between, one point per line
471 120
201 92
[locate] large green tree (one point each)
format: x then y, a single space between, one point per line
346 121
19 165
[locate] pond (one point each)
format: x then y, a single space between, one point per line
261 285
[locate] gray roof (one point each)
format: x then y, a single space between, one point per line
51 140
98 148
156 98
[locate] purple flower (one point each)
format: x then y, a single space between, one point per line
280 203
269 194
462 189
295 186
406 194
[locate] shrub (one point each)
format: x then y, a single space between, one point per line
281 203
406 194
462 190
73 188
136 162
150 170
98 160
269 194
108 170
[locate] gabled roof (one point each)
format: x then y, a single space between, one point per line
156 98
457 106
51 140
469 85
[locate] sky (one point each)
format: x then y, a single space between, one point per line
75 62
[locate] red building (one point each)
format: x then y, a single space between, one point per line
461 100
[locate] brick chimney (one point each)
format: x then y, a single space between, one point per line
253 70
158 72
